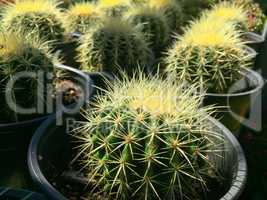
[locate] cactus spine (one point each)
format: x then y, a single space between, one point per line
115 45
142 142
153 24
40 17
81 17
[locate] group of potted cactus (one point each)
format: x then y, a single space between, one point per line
126 91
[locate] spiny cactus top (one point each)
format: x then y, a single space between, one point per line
40 17
229 12
153 24
81 17
21 54
114 8
113 46
209 55
172 11
149 139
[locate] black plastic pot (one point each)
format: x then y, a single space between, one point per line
234 106
51 149
18 194
15 138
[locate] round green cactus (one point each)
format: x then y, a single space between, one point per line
208 54
153 24
113 46
143 142
81 17
40 17
173 12
114 8
22 54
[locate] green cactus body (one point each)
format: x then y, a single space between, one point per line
172 11
153 25
81 17
35 16
114 46
114 8
21 54
139 146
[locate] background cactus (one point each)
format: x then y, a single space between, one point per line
173 12
19 53
255 16
209 55
40 17
115 45
81 17
153 24
114 8
142 142
230 13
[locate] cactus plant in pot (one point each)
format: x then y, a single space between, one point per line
140 141
214 57
28 76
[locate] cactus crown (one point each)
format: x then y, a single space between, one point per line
83 9
206 32
228 12
111 3
114 45
40 17
82 17
135 148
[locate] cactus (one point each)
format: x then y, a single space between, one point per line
255 16
114 8
229 12
21 53
114 45
40 17
142 142
208 54
81 17
153 25
173 12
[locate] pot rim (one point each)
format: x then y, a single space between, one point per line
235 190
250 75
41 118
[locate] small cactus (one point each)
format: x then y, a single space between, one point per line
141 141
173 12
209 55
153 24
81 17
114 8
40 17
115 45
255 17
22 53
